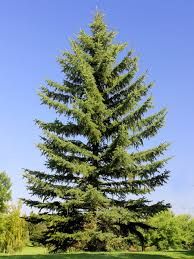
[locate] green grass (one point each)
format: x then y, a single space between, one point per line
41 253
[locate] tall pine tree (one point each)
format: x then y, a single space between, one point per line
93 195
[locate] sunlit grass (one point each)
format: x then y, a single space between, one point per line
41 253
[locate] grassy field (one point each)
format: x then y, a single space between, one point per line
40 253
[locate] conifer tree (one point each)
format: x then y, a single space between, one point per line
93 194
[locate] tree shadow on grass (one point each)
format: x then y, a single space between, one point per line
89 256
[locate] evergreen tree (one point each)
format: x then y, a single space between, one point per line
93 195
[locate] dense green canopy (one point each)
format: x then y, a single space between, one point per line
93 195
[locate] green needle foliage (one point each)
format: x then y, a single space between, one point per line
93 195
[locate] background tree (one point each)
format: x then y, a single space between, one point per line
13 230
98 173
5 191
172 231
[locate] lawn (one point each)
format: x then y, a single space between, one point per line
40 253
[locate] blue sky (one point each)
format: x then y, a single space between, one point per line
33 33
